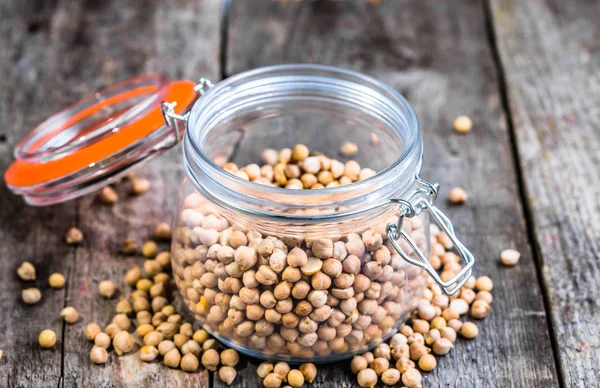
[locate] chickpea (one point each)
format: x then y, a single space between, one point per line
123 343
106 288
281 369
272 381
295 378
98 355
56 281
47 339
26 271
74 236
108 195
69 314
227 374
309 371
390 376
463 124
229 357
367 378
189 363
210 359
469 330
442 346
264 369
299 153
484 283
148 353
412 378
172 358
31 295
510 257
102 340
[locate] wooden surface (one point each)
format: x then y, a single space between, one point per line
551 56
525 72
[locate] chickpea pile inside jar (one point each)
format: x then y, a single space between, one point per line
302 231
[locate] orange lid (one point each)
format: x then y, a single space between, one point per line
98 139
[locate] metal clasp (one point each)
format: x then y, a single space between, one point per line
175 120
422 200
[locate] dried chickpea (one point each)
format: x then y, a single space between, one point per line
272 381
133 275
510 257
69 314
26 271
412 378
227 374
348 148
427 363
163 231
480 309
229 357
309 370
390 376
98 355
367 378
210 359
129 246
264 369
108 195
123 343
102 340
172 358
281 369
56 281
295 378
91 330
47 339
74 236
139 186
463 124
299 153
106 288
469 330
484 283
189 363
31 295
458 196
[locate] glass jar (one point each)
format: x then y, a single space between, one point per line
304 274
275 273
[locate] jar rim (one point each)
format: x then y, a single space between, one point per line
199 165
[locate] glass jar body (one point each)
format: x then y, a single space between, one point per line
288 274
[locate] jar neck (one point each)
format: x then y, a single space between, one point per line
369 196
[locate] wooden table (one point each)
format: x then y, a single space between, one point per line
526 72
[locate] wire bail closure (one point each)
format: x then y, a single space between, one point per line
175 120
422 200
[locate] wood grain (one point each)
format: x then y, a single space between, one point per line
54 52
551 56
438 56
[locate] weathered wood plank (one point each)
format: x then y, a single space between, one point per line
54 53
549 51
438 56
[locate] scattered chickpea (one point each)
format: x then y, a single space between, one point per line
26 271
102 340
163 231
91 330
367 378
295 378
299 152
74 236
427 363
480 309
469 330
189 362
412 378
200 336
107 288
458 196
309 370
227 374
264 369
281 369
69 314
510 257
149 249
148 353
390 376
123 343
139 186
229 357
210 359
129 246
56 281
272 381
31 295
47 339
463 124
484 283
98 355
172 358
108 195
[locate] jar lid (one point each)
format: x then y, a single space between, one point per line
98 139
